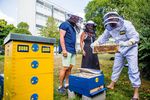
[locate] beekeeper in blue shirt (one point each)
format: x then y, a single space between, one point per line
127 37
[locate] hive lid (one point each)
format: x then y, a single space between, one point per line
85 75
29 38
93 71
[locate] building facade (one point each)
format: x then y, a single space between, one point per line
35 13
44 9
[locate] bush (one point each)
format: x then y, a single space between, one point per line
144 54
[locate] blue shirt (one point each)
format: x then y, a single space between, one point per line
70 37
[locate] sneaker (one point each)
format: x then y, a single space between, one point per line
62 90
134 99
66 86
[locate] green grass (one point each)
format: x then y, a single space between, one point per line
1 57
123 89
1 63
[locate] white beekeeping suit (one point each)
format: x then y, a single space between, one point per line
127 37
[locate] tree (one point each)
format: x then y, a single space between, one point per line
144 29
51 29
4 29
144 54
23 25
94 11
3 23
22 28
97 8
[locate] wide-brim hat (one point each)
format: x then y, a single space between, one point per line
90 22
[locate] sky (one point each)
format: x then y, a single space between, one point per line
9 16
6 17
73 6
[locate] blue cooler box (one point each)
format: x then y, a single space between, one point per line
87 84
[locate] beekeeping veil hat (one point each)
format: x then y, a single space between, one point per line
112 20
90 22
90 26
75 17
75 20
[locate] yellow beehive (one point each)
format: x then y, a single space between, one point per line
28 68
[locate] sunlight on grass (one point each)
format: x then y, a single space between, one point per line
1 57
123 89
1 64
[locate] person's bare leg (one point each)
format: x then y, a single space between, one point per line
62 75
68 72
136 93
111 85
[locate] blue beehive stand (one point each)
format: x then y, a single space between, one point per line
82 84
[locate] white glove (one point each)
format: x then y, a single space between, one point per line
131 42
123 44
94 44
127 43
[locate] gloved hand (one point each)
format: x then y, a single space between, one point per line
123 44
127 43
94 44
131 42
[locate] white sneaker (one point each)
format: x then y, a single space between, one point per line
66 85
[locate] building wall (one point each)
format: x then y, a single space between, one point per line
34 12
26 13
44 9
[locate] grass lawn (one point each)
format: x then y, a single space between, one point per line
1 63
122 91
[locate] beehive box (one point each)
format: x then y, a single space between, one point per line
87 84
106 48
28 67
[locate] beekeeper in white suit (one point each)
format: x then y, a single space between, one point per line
127 37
